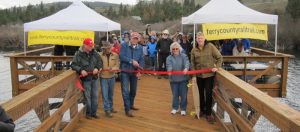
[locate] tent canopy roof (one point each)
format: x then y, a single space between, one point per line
228 11
75 17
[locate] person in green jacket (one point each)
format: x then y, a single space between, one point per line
205 55
87 64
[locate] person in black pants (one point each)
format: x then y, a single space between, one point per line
163 48
6 123
58 51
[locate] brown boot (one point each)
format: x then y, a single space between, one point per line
210 119
134 108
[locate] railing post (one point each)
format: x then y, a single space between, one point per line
14 75
284 73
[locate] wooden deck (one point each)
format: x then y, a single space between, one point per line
154 101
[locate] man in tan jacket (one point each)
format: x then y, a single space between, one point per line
111 64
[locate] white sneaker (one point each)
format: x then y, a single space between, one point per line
183 113
173 112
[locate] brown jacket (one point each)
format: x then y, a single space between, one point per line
113 63
208 57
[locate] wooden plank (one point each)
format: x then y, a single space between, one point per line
14 76
267 52
74 121
32 71
45 58
267 86
281 115
251 58
256 72
154 113
23 103
43 111
30 85
264 71
284 76
26 72
224 125
34 52
233 115
56 116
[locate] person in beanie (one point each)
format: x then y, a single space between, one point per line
6 123
131 57
163 48
87 64
107 77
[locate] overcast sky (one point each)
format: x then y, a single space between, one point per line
11 3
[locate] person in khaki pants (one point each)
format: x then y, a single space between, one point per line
111 63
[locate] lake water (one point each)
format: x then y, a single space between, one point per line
292 99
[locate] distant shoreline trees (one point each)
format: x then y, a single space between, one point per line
150 12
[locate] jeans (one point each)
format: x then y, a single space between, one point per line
107 88
153 62
179 89
128 95
91 96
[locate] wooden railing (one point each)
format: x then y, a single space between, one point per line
37 99
272 79
34 68
245 105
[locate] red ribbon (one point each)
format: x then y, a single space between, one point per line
164 72
208 70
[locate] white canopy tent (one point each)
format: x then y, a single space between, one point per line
75 17
230 11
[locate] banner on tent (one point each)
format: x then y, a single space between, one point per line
72 38
229 31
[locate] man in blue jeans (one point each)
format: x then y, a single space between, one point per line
87 64
131 56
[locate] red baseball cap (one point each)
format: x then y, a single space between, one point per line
88 42
135 35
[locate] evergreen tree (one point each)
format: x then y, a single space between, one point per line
293 8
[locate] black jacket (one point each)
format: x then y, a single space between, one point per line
163 46
86 61
6 123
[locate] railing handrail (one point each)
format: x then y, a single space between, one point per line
36 51
267 52
15 106
281 115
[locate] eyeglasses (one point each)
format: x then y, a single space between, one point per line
175 49
164 34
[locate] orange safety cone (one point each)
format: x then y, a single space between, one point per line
79 85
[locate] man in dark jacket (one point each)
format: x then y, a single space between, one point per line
6 123
87 64
131 57
163 48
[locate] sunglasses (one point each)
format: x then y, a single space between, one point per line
175 49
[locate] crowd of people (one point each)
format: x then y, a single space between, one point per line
149 51
133 51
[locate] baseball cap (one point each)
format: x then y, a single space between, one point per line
88 42
135 35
